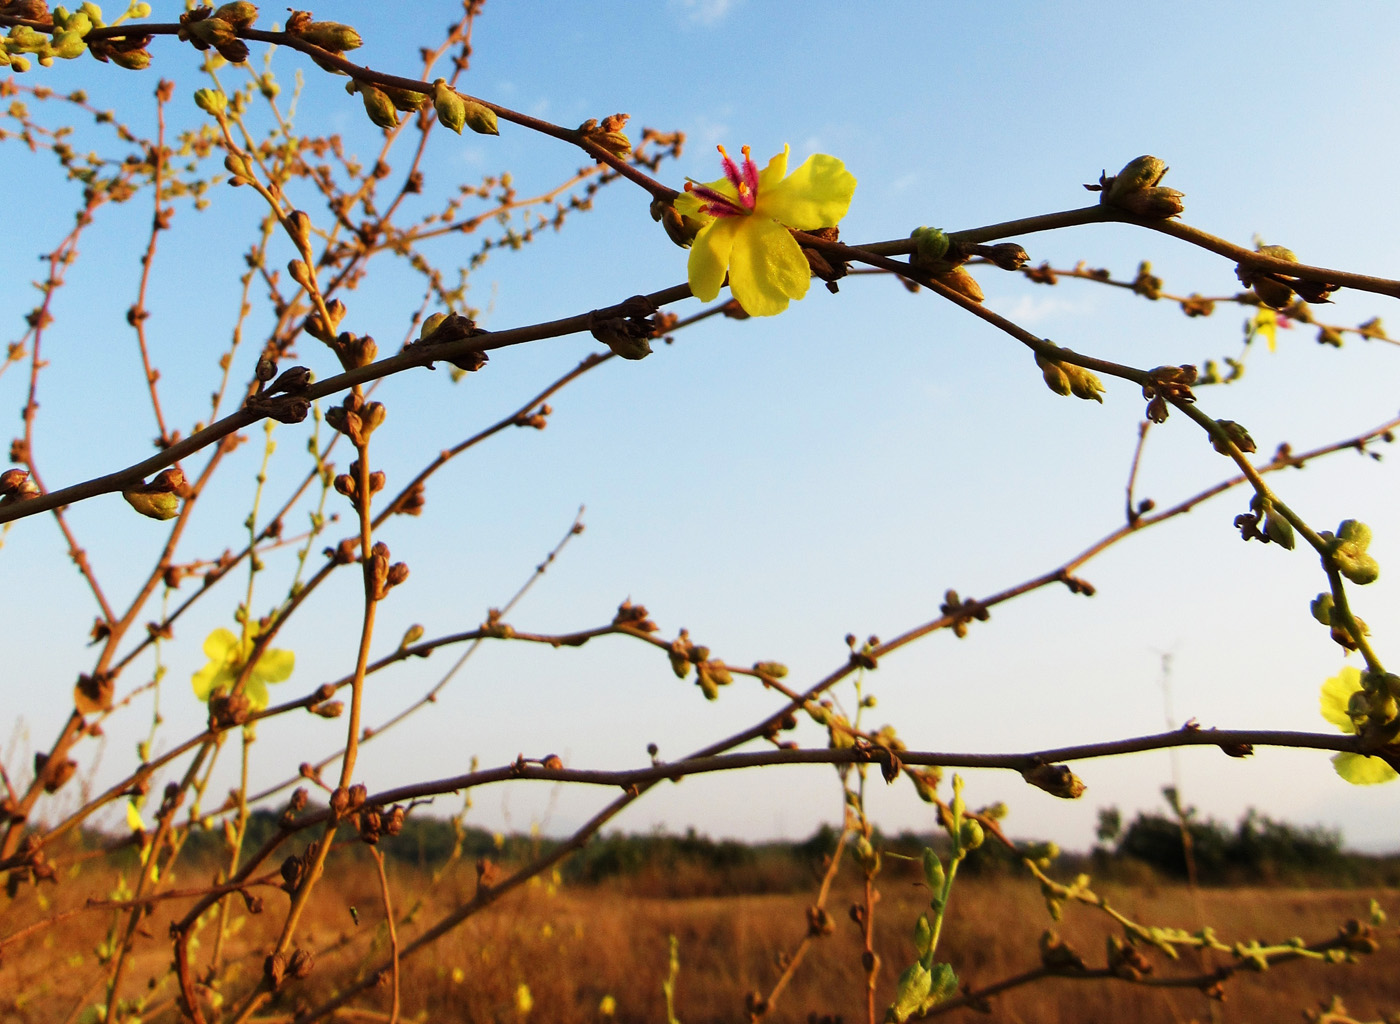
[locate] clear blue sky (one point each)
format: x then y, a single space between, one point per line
773 485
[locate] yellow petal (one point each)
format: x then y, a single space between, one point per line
1361 770
218 643
709 257
816 195
210 678
275 666
688 206
774 173
766 267
256 692
133 818
1336 692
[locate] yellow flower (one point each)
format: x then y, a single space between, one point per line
227 656
746 217
1358 769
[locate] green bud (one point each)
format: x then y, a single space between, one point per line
771 669
379 107
1348 551
404 99
1055 779
1055 377
1279 530
331 35
1236 434
411 636
1083 384
930 246
92 11
1321 609
430 325
616 143
970 836
451 108
68 45
1144 172
480 118
1278 252
142 10
211 101
213 31
132 60
239 14
934 874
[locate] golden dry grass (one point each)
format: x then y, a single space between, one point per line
573 946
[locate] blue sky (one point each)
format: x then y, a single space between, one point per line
773 485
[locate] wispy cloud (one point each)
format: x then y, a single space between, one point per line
703 12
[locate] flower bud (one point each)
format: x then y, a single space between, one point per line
211 32
331 35
1348 551
379 107
153 501
239 14
960 281
211 101
480 118
970 836
1055 779
930 246
1055 377
131 60
451 108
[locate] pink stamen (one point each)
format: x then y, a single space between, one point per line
743 177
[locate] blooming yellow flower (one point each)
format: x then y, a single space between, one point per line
746 217
227 656
1358 769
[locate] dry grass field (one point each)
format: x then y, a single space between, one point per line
582 951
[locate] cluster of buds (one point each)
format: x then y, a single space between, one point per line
608 134
54 774
820 265
710 675
635 616
205 27
35 867
314 325
1066 378
348 484
15 486
1167 383
1137 190
1058 956
295 868
625 328
963 612
229 710
381 575
443 328
941 259
1346 549
295 806
159 499
539 419
376 822
1276 529
285 400
356 418
383 102
1322 608
1276 290
277 967
93 693
456 111
331 36
66 35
